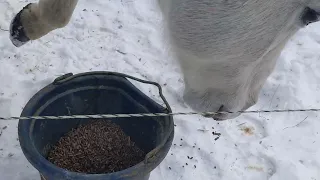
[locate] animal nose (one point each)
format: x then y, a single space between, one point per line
18 36
309 16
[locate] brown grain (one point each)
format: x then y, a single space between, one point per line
96 148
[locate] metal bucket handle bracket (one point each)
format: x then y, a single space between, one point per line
152 154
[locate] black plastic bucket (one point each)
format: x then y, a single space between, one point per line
94 93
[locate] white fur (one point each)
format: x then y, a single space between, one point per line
47 15
226 48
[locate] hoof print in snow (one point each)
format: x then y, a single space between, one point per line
253 168
18 36
248 131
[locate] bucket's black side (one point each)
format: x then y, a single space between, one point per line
146 177
139 172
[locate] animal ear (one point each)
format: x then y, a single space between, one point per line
310 16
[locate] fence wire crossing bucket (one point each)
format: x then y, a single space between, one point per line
94 93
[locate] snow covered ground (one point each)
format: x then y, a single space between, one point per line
125 36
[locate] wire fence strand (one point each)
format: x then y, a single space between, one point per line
108 116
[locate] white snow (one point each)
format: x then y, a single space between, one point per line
274 146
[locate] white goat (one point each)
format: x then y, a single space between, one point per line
226 48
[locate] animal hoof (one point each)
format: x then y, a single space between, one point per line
18 36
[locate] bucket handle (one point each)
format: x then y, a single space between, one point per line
150 157
70 76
